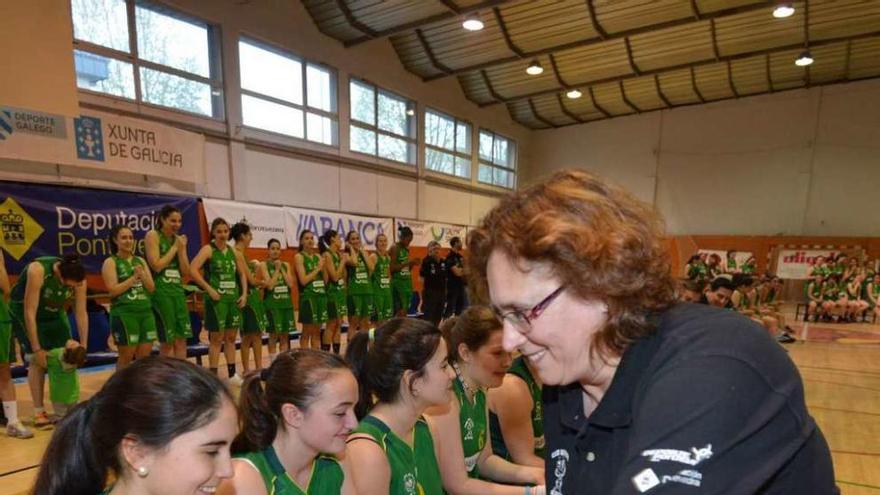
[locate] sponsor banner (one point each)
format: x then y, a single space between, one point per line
797 263
425 232
102 141
267 222
42 220
298 219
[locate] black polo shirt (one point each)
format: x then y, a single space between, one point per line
433 273
709 404
453 281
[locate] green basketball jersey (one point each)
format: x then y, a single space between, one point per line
359 277
4 309
339 285
169 281
326 477
135 299
310 263
277 296
255 294
382 272
519 368
816 292
731 264
53 294
414 471
403 276
748 269
830 291
472 419
63 380
221 271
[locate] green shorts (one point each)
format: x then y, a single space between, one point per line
280 320
6 347
336 305
383 305
401 296
52 332
313 309
134 328
360 305
253 320
172 318
222 315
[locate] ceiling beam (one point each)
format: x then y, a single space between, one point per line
568 113
510 44
630 59
409 26
714 40
491 89
846 62
695 88
596 104
611 36
730 80
428 51
625 99
769 74
697 63
696 10
451 6
354 22
662 96
538 116
594 21
556 72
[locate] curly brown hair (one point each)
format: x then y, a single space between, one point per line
600 241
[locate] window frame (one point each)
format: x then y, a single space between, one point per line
214 81
454 151
304 107
413 121
512 152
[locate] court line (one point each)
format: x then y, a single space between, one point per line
843 410
862 485
19 470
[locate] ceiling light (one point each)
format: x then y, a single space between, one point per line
783 10
804 60
534 68
472 23
410 112
574 94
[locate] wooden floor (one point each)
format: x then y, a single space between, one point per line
840 365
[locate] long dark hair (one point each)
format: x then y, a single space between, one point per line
472 328
163 215
399 345
239 230
294 377
302 249
326 239
216 223
111 239
155 400
71 268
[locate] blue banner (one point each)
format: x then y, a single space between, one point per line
44 220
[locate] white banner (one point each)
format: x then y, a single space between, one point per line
298 219
267 222
102 141
797 263
425 232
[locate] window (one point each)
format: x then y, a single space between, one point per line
382 123
170 61
285 94
497 160
447 144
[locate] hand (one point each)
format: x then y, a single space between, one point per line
40 359
213 294
242 301
537 476
277 264
539 490
138 273
321 264
181 241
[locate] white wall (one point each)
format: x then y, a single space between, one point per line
802 162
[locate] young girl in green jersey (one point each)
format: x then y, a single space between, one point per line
253 318
516 418
312 290
225 295
337 309
359 267
129 282
295 418
461 426
383 304
160 426
401 272
165 250
402 370
278 301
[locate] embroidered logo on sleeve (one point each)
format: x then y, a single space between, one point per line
561 458
645 480
692 458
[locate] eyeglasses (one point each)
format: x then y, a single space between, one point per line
522 320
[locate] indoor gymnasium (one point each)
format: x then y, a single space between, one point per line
425 247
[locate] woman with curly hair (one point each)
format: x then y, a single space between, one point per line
639 391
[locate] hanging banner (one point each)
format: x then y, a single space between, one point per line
42 220
798 263
298 219
267 222
102 141
425 232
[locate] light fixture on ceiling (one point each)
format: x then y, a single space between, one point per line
783 10
534 68
410 112
472 22
573 94
804 60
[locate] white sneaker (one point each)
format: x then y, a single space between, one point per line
18 430
236 380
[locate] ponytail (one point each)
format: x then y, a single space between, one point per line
76 467
257 424
356 355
